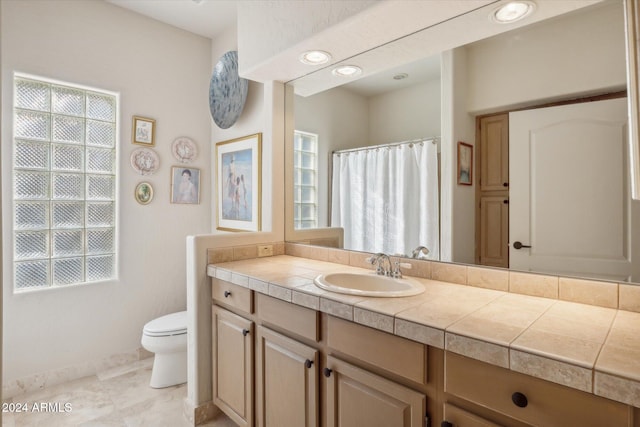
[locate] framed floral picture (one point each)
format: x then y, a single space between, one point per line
239 186
185 185
144 131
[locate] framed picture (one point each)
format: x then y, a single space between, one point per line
465 164
143 193
144 131
185 185
238 192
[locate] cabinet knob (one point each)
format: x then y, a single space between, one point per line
308 363
227 294
446 424
327 372
245 332
519 399
505 184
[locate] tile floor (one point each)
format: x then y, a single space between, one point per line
120 397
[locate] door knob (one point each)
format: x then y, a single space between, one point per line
519 245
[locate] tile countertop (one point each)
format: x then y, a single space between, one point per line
589 348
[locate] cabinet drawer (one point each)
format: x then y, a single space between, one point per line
232 295
293 318
389 352
548 404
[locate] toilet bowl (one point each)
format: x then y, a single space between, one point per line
166 336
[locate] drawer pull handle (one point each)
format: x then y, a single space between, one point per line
519 399
245 332
227 294
327 372
308 363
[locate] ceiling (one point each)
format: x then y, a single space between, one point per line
211 18
208 18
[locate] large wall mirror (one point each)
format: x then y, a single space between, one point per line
545 77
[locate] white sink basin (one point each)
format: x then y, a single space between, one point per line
370 285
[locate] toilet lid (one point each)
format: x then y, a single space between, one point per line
171 324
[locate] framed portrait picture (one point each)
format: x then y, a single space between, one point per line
185 185
144 131
465 163
143 193
238 192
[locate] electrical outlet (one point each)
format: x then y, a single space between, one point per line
265 250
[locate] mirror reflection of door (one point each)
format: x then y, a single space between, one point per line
569 195
492 218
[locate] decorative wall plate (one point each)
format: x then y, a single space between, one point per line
184 149
145 161
227 91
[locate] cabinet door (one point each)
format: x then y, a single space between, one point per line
494 153
355 397
287 381
494 231
233 365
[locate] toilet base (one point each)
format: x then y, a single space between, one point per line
169 369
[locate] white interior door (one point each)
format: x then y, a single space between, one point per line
568 190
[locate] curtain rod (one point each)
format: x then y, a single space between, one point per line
434 140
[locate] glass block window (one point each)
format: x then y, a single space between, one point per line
64 184
305 174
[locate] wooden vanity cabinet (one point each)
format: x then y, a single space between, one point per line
280 364
515 399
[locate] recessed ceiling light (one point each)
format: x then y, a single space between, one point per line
346 71
315 57
513 11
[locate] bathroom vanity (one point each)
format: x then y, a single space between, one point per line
288 353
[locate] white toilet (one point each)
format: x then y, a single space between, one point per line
166 336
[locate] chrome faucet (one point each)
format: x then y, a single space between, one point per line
417 251
378 260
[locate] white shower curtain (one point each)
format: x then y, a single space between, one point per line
386 198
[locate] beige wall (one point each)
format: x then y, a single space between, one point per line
263 112
584 54
160 72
